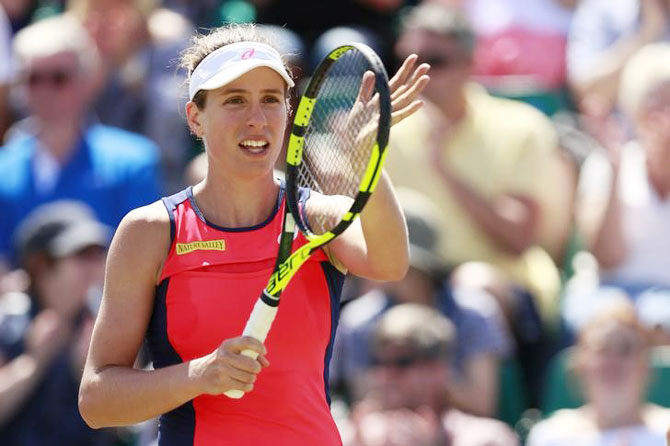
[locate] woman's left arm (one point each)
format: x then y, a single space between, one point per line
376 246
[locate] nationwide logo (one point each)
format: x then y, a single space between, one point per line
201 245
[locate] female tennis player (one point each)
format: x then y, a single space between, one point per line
183 272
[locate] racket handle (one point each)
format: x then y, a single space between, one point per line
258 326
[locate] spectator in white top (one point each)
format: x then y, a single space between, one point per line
630 239
613 367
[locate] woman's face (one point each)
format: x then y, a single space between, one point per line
243 123
613 365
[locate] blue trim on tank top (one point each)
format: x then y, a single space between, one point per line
335 280
176 427
171 204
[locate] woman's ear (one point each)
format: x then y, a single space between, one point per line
193 118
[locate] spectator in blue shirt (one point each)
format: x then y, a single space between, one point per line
57 153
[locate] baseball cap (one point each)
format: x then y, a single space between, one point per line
59 229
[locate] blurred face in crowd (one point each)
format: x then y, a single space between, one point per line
402 378
118 28
450 63
64 283
57 88
613 365
653 124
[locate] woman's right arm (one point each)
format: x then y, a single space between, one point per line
112 392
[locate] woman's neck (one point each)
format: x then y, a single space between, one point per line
236 203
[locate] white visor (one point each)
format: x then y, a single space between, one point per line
232 61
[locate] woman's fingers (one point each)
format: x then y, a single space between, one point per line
403 72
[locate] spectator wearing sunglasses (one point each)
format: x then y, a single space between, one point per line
57 153
411 346
492 167
612 363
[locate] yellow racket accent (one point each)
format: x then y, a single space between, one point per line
304 111
294 149
280 278
334 55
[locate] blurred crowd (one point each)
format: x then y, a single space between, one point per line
535 182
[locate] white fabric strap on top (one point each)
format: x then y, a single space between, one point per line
229 62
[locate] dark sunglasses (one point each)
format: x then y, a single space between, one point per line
398 362
53 78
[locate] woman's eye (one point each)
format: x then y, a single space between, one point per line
234 100
271 99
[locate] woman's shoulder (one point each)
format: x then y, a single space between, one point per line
147 218
144 231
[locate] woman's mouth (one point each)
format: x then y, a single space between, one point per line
254 146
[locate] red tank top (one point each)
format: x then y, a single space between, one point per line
209 284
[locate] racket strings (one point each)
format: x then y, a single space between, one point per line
340 138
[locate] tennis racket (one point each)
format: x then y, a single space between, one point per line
336 151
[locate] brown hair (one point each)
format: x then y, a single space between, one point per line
204 44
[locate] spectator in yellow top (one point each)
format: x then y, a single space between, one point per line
492 167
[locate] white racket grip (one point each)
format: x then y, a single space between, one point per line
258 326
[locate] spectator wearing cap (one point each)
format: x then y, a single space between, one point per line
42 350
612 363
411 345
481 338
57 153
492 167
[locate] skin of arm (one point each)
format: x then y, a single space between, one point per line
112 392
375 246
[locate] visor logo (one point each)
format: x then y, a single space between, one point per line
248 54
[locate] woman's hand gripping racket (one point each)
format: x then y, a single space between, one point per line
336 152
